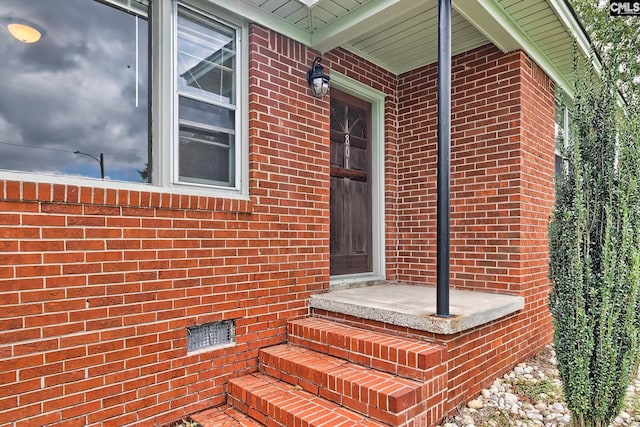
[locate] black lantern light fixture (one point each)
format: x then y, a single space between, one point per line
317 79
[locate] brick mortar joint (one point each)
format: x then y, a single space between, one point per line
73 195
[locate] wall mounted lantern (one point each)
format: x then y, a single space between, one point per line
25 31
317 79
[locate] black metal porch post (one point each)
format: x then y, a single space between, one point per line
444 156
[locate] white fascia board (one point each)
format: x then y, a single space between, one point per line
492 21
268 20
562 10
362 20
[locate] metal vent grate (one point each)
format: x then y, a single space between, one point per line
210 335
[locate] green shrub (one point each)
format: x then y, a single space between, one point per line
594 254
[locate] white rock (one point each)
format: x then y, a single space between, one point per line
486 393
541 406
475 404
467 420
535 416
510 398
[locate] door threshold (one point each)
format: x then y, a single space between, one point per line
348 281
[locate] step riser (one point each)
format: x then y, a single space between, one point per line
370 392
224 416
398 356
333 375
278 405
271 414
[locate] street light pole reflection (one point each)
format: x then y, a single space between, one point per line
99 160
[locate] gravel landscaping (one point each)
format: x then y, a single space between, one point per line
531 395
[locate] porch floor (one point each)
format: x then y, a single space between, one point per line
414 306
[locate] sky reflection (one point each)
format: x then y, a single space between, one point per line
75 89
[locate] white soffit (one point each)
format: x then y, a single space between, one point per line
401 35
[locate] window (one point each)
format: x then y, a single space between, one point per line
562 119
206 98
85 100
79 93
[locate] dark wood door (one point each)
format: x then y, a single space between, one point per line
351 230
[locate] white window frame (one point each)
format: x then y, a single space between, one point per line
163 116
233 166
165 126
566 117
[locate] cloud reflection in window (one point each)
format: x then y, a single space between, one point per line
79 88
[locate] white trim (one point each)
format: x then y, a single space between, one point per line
268 20
349 281
362 19
55 179
162 93
128 6
170 172
163 116
376 98
492 21
563 12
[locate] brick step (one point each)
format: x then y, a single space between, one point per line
224 416
379 395
396 355
278 404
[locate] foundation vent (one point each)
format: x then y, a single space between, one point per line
211 335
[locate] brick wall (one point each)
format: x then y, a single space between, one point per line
502 192
99 285
486 165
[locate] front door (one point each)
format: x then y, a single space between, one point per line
351 231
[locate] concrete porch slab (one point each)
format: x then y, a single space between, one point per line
414 306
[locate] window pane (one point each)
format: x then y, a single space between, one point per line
83 87
206 58
206 157
206 114
559 167
206 84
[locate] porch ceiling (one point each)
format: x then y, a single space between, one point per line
401 35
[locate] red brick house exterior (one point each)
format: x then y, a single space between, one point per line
98 284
